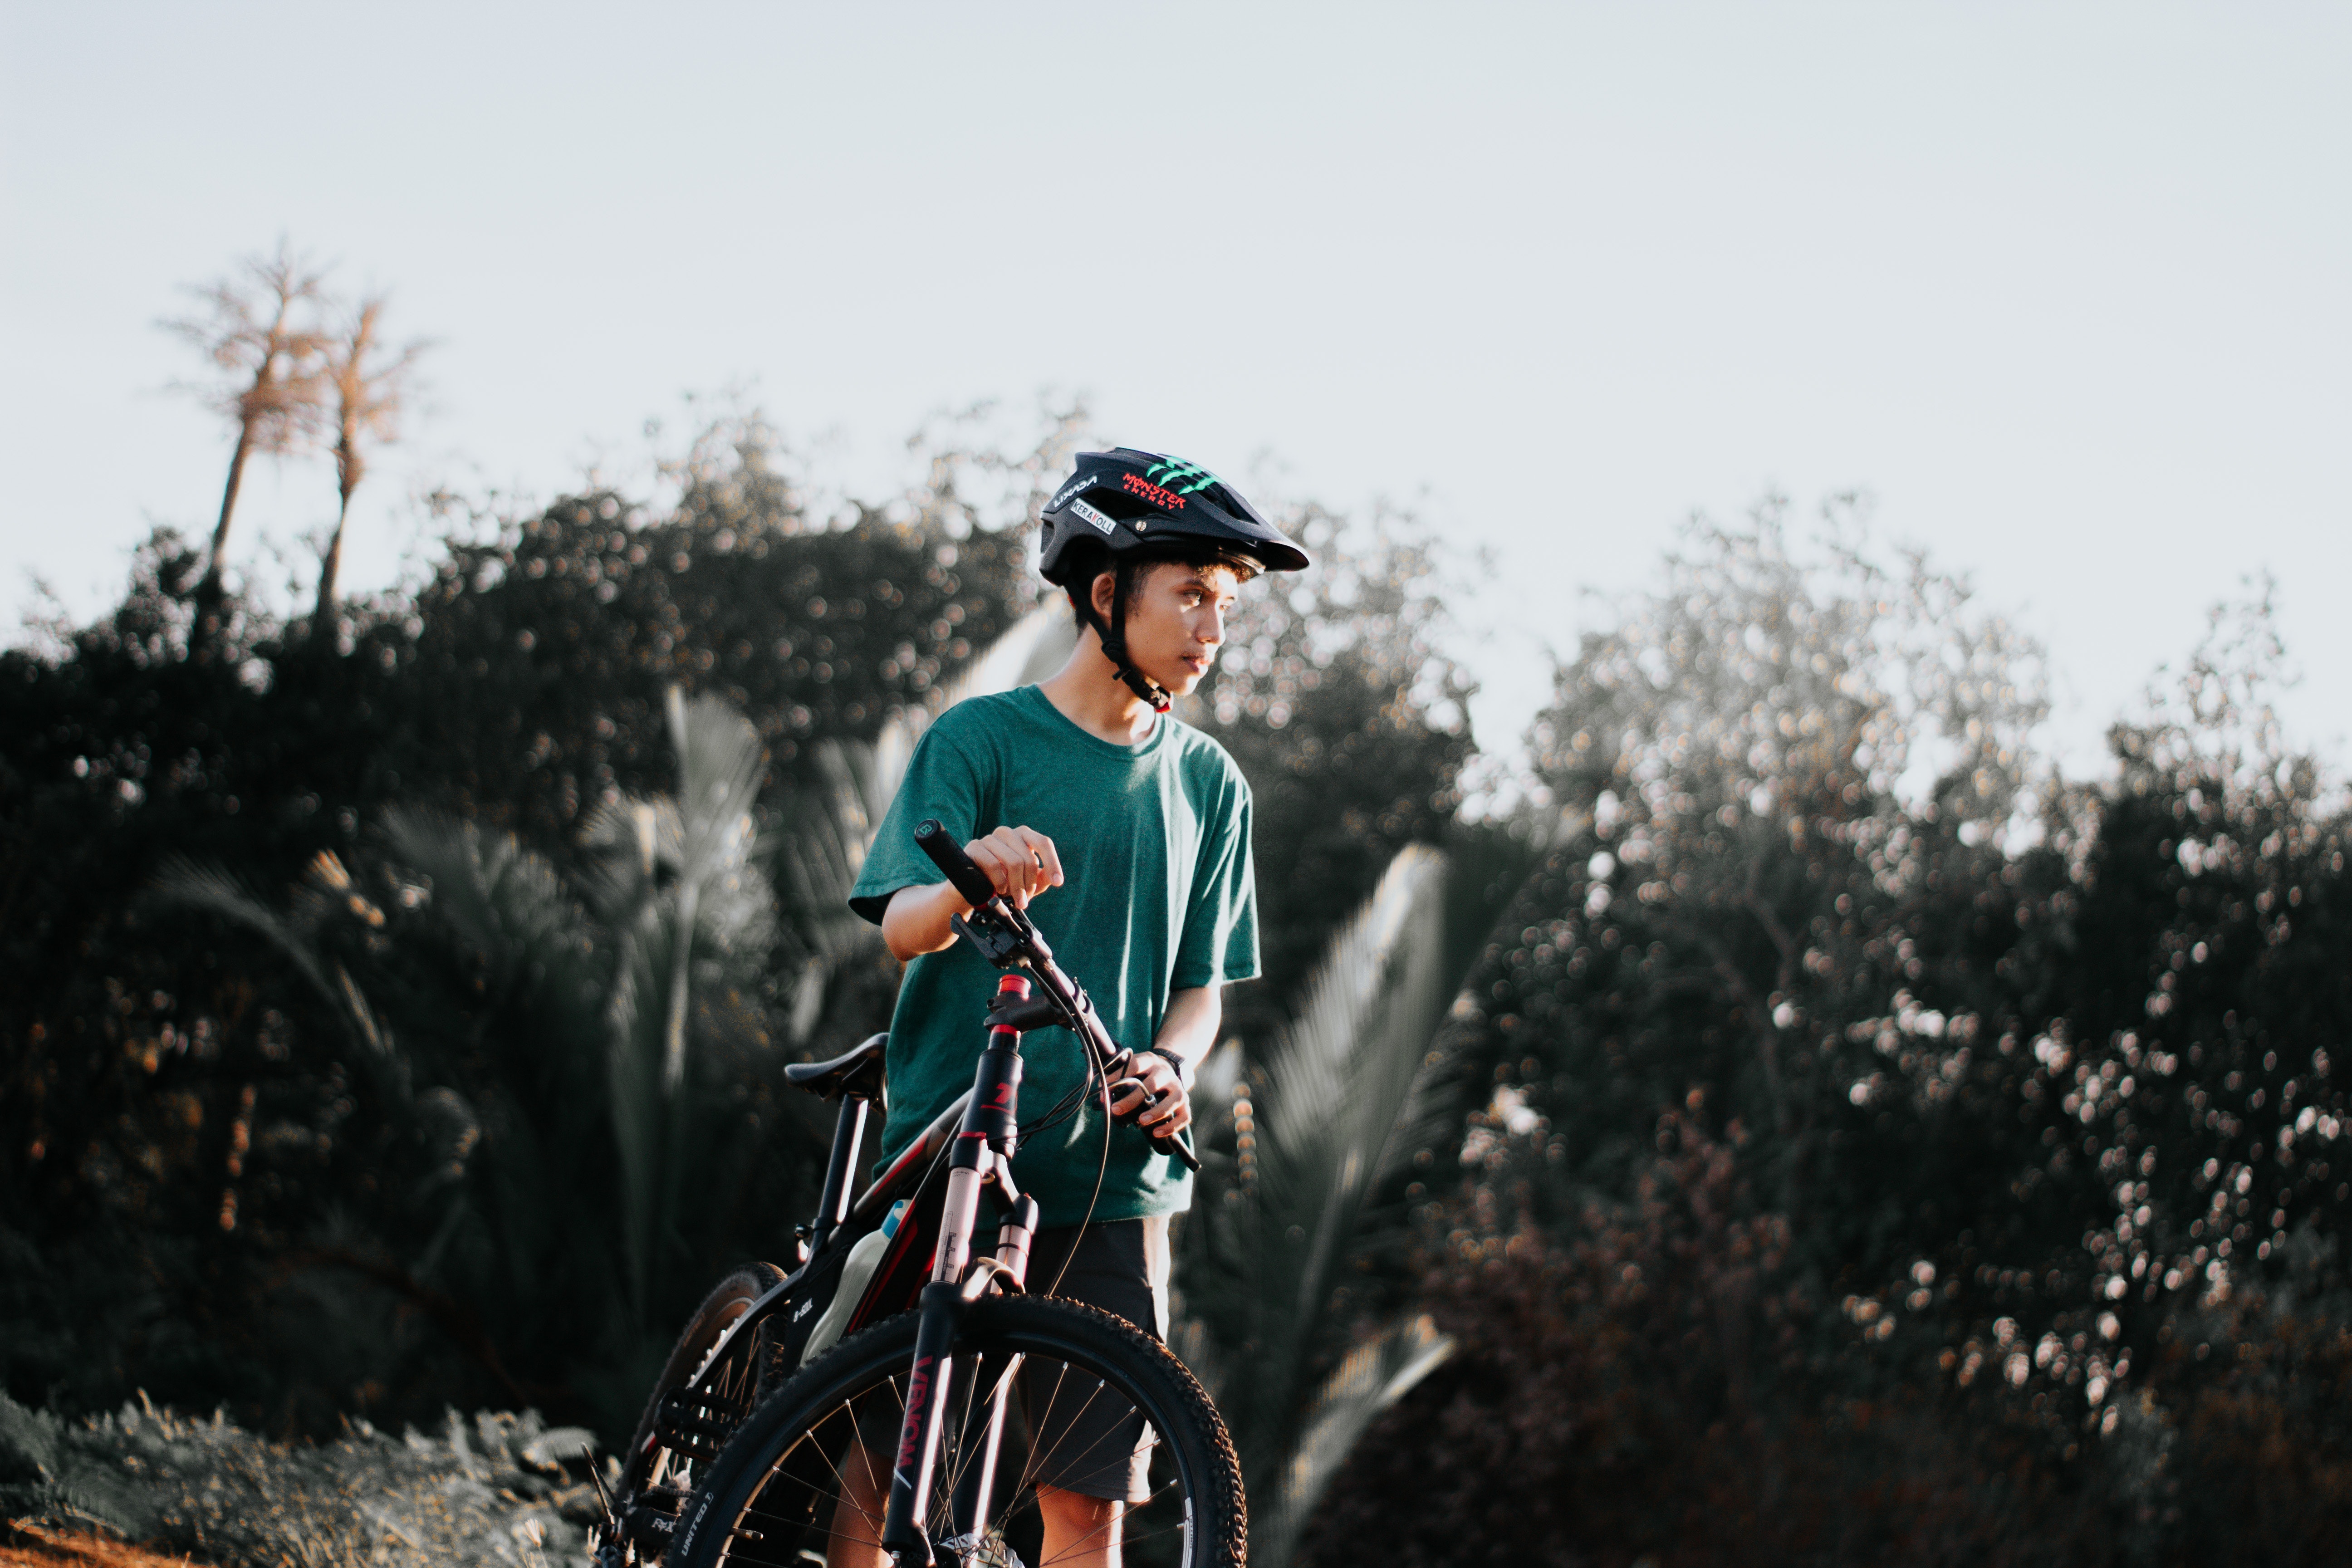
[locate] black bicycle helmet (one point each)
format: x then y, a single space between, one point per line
1136 507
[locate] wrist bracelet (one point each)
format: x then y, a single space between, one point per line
1174 1063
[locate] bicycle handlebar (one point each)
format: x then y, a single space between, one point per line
1027 946
948 855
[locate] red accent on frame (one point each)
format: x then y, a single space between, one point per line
918 1387
1015 986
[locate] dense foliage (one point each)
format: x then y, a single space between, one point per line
1880 1163
339 959
1340 705
183 1112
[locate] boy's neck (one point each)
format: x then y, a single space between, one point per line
1088 691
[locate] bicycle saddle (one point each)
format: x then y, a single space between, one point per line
854 1074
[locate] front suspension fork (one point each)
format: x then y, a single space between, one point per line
982 1160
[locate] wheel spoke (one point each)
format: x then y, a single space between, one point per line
1071 1459
1066 1399
969 1448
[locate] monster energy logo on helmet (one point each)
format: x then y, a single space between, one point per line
1183 479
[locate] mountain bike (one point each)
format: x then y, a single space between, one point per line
953 1394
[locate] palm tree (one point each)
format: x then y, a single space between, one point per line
679 893
253 328
370 394
1320 1119
529 1049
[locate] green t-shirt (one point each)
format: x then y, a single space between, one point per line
1157 895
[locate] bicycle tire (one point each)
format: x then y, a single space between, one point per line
770 1499
657 1477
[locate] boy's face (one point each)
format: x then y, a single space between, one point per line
1175 620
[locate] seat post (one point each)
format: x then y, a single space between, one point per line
848 1133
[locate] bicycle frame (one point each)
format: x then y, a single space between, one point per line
839 1221
696 1418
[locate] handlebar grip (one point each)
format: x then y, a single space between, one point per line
948 855
1170 1144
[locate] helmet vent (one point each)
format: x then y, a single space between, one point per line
1118 504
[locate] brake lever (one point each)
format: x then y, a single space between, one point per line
1171 1143
1004 936
1003 947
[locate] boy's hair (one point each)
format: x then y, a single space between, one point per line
1094 560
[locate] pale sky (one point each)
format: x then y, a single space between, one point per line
2068 288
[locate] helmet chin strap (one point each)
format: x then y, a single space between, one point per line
1114 644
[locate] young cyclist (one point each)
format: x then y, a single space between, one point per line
1125 833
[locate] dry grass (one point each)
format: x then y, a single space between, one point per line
497 1490
31 1546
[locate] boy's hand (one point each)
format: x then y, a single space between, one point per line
1019 861
1150 1078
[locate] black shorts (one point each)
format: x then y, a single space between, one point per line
1081 1443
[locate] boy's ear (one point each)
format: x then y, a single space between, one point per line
1104 588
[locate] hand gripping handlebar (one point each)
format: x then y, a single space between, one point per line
1007 938
948 855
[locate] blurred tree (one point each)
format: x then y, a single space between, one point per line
1734 874
1302 1133
2021 1120
2177 1122
129 1044
1334 697
546 1184
371 392
1779 785
255 329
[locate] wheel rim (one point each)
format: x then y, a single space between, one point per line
815 1493
723 1402
683 1432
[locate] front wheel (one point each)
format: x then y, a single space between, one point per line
1043 1392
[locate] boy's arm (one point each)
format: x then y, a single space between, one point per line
1189 1028
1020 861
1219 943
